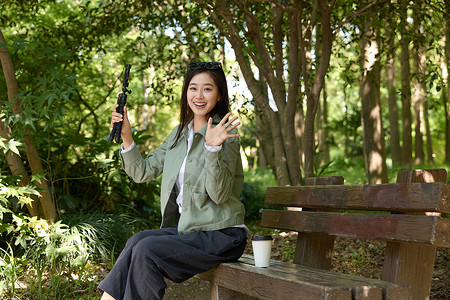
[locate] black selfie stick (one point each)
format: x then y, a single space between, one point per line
121 100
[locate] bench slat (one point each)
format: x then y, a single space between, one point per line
362 288
284 280
399 227
270 284
433 197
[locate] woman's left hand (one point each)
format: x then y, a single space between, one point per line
217 135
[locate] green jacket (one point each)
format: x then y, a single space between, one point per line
212 181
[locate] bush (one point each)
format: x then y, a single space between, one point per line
106 233
45 256
254 192
58 259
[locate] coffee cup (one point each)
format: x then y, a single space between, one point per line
262 248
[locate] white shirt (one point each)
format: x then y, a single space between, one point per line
180 178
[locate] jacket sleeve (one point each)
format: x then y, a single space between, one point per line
142 170
224 171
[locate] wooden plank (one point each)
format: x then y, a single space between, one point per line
265 283
433 197
315 249
221 293
410 264
284 280
407 228
362 288
413 264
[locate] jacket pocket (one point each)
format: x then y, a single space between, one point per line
206 212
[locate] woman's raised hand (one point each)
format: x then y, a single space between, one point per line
126 127
217 135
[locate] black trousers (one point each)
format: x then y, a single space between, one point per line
151 255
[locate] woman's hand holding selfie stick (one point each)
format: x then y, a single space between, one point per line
120 106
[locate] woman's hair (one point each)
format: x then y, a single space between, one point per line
222 107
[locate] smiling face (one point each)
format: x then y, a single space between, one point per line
202 97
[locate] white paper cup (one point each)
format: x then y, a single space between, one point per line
262 248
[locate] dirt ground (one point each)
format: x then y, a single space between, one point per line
358 257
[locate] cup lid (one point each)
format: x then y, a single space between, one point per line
262 237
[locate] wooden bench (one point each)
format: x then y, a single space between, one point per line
406 215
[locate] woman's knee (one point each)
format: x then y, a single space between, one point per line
136 238
153 248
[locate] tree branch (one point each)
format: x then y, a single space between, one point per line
256 37
278 40
356 14
238 45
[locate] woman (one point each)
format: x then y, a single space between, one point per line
202 216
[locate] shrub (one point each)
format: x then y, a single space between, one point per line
106 233
254 192
56 259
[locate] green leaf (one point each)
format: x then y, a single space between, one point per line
104 162
115 174
24 200
21 241
12 146
37 177
10 229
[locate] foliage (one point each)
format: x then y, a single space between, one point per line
69 58
93 180
13 196
107 233
254 192
288 250
69 114
48 254
11 268
57 260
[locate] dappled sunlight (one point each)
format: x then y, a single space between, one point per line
371 52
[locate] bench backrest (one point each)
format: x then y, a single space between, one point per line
407 215
382 211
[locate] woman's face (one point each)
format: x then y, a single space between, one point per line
202 94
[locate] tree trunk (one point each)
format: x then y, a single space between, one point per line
323 154
49 211
18 169
373 135
324 146
417 113
263 133
420 92
406 87
446 88
430 158
313 93
299 123
318 137
394 135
